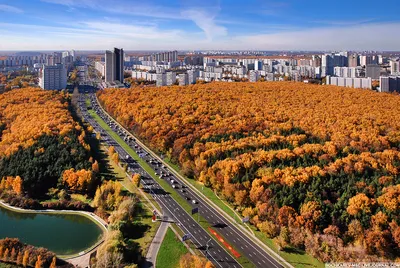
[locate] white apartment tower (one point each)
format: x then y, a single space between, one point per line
53 77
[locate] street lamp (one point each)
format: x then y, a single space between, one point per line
176 218
207 246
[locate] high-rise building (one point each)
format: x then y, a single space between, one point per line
67 61
171 78
353 60
316 61
349 82
373 71
161 80
347 72
254 76
389 84
53 77
193 75
367 60
258 65
119 64
114 65
394 67
54 59
109 66
100 66
183 79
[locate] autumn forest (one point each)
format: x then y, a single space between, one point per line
313 167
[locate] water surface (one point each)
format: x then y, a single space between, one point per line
64 234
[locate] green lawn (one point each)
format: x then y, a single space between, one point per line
146 213
171 250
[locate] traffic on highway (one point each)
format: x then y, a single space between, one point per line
202 239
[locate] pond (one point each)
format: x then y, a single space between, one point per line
64 234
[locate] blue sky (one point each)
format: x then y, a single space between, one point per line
196 24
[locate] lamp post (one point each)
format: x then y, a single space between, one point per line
177 223
207 246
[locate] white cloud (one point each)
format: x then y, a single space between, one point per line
92 35
101 35
205 21
137 8
131 31
11 9
371 36
204 18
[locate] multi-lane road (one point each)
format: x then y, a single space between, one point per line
202 239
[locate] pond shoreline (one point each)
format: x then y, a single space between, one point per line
93 217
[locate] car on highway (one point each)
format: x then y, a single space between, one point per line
194 201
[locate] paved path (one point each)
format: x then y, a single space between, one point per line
84 260
151 256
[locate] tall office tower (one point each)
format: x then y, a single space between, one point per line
353 60
373 71
109 66
53 77
119 64
114 69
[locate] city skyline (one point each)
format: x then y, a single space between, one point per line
197 25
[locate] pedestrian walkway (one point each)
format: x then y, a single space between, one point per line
151 256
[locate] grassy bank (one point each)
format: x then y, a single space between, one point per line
171 250
144 235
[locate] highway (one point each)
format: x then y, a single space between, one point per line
203 241
240 241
